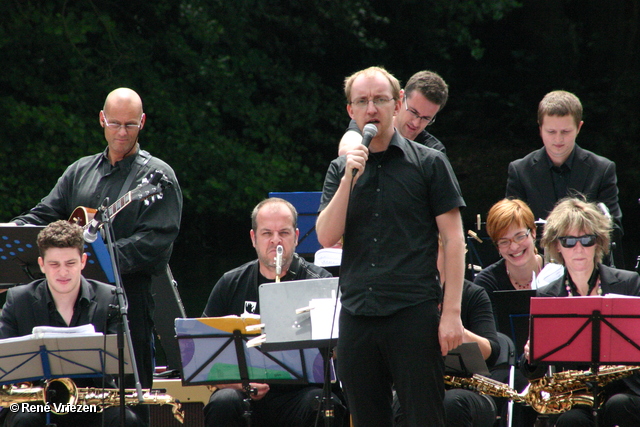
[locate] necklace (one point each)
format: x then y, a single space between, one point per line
593 282
526 285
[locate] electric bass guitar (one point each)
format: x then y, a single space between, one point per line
149 190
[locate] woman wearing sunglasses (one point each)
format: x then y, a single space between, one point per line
576 235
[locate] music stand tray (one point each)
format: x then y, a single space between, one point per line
19 257
30 358
592 329
213 351
465 360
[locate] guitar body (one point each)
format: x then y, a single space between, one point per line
82 216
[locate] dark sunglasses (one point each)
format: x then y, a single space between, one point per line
570 241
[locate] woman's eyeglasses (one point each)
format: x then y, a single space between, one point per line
517 239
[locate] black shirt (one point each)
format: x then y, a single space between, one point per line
391 236
237 289
144 232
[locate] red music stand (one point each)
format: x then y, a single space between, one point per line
592 330
595 330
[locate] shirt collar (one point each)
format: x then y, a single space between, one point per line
126 162
567 165
83 294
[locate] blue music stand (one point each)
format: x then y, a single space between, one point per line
31 359
307 204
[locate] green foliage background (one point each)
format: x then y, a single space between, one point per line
244 97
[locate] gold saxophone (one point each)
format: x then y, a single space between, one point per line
558 393
484 385
65 391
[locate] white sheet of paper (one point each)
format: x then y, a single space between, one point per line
548 274
321 314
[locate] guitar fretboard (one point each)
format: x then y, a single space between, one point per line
119 204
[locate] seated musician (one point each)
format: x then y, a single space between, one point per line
274 223
466 408
64 298
511 227
577 235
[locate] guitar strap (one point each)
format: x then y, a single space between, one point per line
142 159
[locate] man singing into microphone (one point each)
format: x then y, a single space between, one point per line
392 332
273 224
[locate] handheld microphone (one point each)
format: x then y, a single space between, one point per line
370 130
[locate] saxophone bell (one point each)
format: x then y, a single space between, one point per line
60 392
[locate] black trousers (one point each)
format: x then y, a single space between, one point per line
401 351
109 418
463 408
622 410
297 407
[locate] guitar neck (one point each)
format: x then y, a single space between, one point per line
120 204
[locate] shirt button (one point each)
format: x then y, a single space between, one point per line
373 264
376 215
379 166
378 190
375 239
370 289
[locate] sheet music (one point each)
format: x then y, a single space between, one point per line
322 310
548 274
39 332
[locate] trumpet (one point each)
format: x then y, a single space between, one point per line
63 392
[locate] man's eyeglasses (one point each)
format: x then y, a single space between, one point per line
129 127
414 113
570 241
377 102
517 239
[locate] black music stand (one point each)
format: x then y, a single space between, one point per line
594 330
214 351
512 314
465 360
19 257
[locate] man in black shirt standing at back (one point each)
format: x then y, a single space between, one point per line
562 168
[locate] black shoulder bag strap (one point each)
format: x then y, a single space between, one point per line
142 159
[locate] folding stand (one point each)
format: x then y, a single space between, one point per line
595 330
291 321
28 358
213 351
